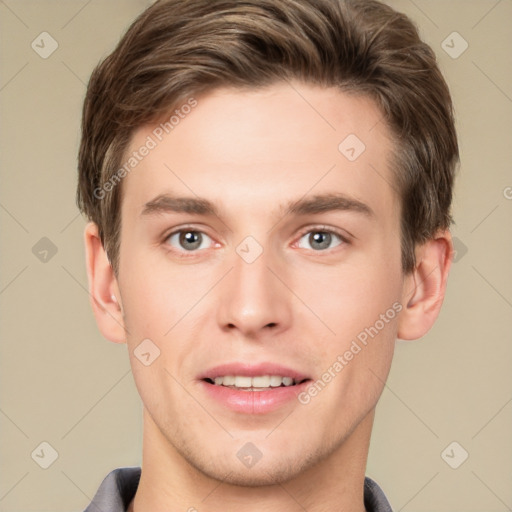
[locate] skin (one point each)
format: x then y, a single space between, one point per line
251 153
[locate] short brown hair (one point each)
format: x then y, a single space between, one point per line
179 48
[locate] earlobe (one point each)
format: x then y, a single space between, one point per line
424 289
103 289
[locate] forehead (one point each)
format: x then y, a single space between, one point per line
258 149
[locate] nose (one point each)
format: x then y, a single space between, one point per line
252 300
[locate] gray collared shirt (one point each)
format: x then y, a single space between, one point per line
119 486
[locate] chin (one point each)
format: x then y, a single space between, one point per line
271 469
264 475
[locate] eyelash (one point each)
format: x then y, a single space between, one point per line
182 253
315 229
325 229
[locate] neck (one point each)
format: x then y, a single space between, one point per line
169 482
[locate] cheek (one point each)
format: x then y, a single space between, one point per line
348 299
157 295
167 306
360 305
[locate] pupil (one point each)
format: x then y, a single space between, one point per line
320 240
190 240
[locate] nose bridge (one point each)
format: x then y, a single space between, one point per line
252 297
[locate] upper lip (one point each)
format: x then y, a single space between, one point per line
252 370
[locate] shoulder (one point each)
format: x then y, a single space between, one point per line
374 498
116 490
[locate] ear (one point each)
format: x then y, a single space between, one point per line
103 289
425 287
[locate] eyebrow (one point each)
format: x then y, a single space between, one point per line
165 203
328 202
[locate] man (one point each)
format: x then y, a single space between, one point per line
269 186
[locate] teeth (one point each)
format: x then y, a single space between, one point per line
260 381
275 381
243 382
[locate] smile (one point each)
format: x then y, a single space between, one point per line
256 383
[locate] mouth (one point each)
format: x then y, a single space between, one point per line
253 388
254 383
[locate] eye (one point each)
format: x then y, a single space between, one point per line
189 240
320 239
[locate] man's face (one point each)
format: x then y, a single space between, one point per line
295 255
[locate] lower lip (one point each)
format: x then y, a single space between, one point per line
254 402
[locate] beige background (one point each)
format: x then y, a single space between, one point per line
62 383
